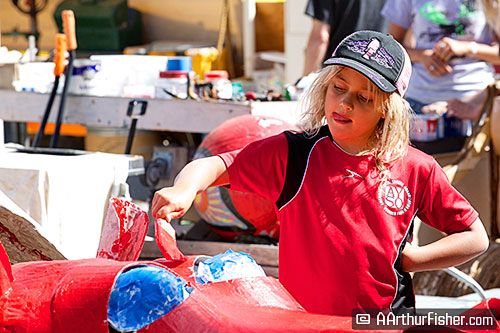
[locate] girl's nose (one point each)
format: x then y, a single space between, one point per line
346 103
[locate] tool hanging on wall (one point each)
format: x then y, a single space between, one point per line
224 42
69 30
59 59
32 8
135 117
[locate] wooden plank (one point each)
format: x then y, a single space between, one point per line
21 236
271 271
265 255
161 115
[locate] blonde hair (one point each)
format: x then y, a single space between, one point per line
491 9
390 139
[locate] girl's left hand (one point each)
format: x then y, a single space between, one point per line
447 48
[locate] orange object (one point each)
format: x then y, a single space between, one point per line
66 129
59 54
68 18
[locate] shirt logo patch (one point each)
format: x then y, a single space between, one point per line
352 174
395 197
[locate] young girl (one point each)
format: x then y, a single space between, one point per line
348 188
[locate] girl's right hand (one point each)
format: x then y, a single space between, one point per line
172 202
434 65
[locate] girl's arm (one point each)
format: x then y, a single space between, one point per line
173 202
451 250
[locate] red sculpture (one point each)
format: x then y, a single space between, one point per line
72 295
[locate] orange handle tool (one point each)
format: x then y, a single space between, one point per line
68 18
60 54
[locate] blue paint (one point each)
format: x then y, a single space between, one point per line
142 295
227 266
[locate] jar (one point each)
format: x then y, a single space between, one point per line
84 78
220 83
172 84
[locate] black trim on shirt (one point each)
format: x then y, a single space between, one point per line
299 148
404 300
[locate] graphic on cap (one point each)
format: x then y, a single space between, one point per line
376 55
372 50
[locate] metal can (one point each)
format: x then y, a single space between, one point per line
425 127
456 127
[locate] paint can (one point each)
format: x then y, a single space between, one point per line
426 127
456 127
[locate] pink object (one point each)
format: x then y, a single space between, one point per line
165 239
123 232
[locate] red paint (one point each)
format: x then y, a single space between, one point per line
166 241
5 271
60 296
123 232
38 255
72 295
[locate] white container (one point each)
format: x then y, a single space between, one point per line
85 79
120 71
426 127
172 84
221 84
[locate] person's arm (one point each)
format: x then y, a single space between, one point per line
465 108
434 65
451 250
317 45
447 48
173 202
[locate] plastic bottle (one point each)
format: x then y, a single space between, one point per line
221 83
172 84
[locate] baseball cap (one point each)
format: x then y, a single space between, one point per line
376 55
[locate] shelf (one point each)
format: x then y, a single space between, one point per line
161 115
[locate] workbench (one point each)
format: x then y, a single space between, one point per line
161 115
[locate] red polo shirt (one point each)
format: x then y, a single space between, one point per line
342 231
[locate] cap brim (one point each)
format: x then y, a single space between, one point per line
373 76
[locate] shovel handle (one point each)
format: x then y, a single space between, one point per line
60 54
68 18
135 117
